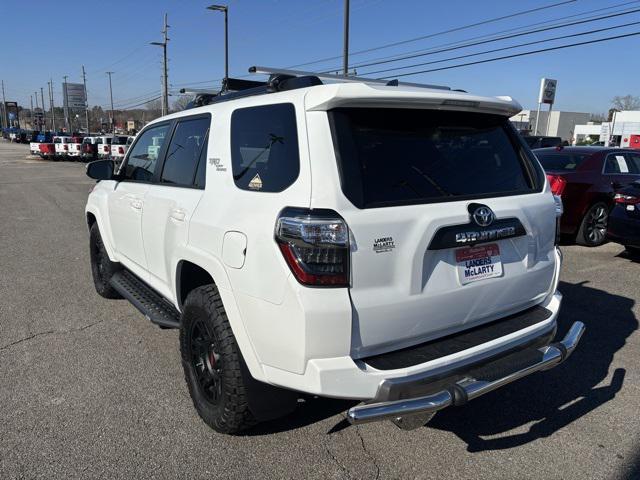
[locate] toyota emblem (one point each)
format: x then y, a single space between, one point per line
483 216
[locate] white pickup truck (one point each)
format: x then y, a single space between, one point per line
75 147
103 143
388 243
119 147
61 144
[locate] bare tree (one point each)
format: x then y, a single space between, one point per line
181 102
154 108
628 102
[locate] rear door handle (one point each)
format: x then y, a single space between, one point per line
178 214
137 204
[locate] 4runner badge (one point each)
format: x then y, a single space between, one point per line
384 244
256 183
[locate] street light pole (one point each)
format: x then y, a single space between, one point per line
111 95
345 47
165 75
225 10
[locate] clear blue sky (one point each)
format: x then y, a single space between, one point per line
43 39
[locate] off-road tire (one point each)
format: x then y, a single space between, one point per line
228 412
102 268
592 231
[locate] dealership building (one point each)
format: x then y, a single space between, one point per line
623 130
560 124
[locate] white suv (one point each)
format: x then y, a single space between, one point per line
390 244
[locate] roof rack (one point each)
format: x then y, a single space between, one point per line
281 80
341 78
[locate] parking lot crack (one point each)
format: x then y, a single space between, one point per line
47 332
26 339
369 454
334 458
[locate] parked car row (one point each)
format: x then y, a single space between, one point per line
76 147
600 191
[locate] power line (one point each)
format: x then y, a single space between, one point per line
510 47
499 32
515 55
128 107
442 32
504 37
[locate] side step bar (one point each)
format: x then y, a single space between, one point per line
414 412
145 299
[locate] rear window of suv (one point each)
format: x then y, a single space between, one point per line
560 162
399 156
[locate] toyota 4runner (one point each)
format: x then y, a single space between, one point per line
388 243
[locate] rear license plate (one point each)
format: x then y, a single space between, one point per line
478 263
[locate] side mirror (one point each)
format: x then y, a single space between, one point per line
100 169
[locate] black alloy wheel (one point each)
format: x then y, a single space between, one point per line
205 360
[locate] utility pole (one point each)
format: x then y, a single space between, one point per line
44 117
225 10
65 104
345 48
4 106
111 95
37 107
33 122
53 108
165 75
86 99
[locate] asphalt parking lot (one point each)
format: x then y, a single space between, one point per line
90 389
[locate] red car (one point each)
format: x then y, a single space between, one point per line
586 178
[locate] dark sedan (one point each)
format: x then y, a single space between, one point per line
624 220
587 179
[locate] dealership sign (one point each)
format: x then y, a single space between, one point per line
547 90
74 95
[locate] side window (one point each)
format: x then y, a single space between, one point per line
200 179
264 147
142 160
633 161
616 163
184 151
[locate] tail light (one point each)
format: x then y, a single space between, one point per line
626 199
65 147
105 148
557 184
315 245
121 150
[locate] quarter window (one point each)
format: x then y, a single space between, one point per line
264 147
184 151
142 161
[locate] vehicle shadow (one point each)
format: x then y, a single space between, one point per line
633 256
555 398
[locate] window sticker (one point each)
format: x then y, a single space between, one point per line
256 183
622 164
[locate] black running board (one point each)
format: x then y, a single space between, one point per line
145 299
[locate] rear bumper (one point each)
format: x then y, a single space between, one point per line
414 411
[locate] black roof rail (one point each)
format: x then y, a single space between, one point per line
342 78
281 80
238 88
